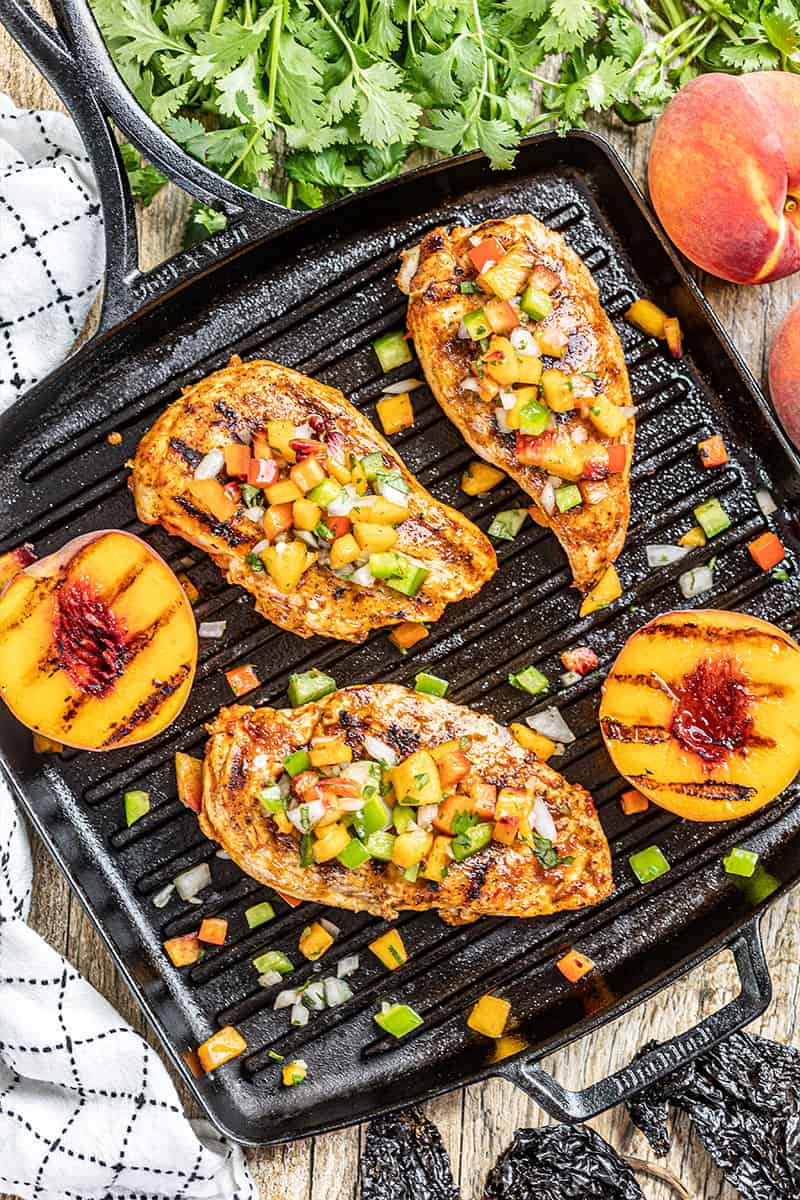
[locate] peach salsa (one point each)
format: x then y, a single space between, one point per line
315 504
552 412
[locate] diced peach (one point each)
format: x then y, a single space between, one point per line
220 1048
189 775
213 930
237 460
210 495
277 519
407 634
184 950
306 474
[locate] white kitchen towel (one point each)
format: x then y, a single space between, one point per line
51 244
86 1108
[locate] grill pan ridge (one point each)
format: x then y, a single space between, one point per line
313 295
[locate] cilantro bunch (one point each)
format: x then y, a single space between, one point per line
340 93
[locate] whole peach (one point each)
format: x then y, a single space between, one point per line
784 373
724 174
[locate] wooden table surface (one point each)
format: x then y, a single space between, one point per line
477 1123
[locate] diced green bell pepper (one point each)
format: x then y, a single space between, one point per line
740 862
398 1020
325 492
411 873
712 517
476 325
354 855
529 679
308 686
380 845
508 523
273 960
259 914
471 840
431 685
534 418
398 571
648 864
392 479
137 805
371 464
403 815
294 763
536 303
392 350
568 497
306 850
272 799
372 818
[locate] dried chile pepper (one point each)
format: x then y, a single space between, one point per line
561 1162
405 1159
743 1100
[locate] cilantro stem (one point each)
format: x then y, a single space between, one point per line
289 193
216 16
476 108
342 36
275 43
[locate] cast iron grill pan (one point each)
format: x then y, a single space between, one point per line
314 296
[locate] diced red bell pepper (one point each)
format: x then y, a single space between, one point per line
292 901
233 491
528 449
580 659
337 787
237 460
338 526
712 451
767 551
489 250
242 679
213 930
303 447
304 786
617 458
263 472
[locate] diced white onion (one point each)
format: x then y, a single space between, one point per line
314 996
385 1006
560 749
694 583
211 629
582 387
579 434
363 576
306 816
269 979
490 262
392 494
162 898
336 991
347 500
305 535
556 480
470 384
299 1015
210 465
190 882
304 431
285 999
329 927
551 724
223 854
347 966
508 398
662 556
547 499
404 385
379 751
408 269
350 804
570 677
475 239
255 513
542 820
426 814
502 420
628 410
259 546
766 502
524 342
462 333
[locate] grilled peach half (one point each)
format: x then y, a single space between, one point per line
701 713
98 644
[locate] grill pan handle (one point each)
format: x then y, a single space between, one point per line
568 1106
74 60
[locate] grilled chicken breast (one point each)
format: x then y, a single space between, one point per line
244 411
249 747
577 339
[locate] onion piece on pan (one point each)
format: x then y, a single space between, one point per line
190 882
550 723
661 556
694 583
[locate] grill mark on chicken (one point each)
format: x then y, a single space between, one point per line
190 456
149 707
219 528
